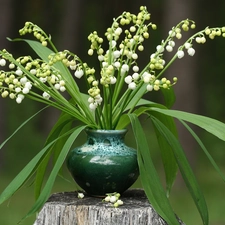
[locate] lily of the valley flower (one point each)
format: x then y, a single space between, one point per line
113 198
180 54
80 195
118 66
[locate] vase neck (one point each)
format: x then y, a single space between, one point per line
108 137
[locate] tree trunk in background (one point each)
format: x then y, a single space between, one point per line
185 69
5 18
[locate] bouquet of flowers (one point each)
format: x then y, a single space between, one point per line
114 98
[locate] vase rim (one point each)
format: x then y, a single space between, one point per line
105 131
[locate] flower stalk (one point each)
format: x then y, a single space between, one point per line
121 82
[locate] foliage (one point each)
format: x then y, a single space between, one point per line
113 100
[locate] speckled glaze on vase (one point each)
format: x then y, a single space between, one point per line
104 164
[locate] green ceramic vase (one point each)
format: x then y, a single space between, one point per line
104 164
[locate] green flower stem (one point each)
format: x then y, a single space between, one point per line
118 87
71 89
74 91
105 110
110 106
125 100
121 101
128 97
120 81
180 48
99 119
69 109
55 94
47 38
137 95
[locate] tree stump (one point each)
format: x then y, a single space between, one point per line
67 209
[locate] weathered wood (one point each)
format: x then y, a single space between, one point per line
67 209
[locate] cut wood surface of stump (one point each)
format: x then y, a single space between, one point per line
67 209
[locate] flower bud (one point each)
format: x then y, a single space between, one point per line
169 48
191 51
113 199
79 73
2 62
132 86
80 195
107 198
119 202
128 79
180 54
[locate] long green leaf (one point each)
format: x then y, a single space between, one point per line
169 162
125 120
23 124
149 177
143 106
22 177
40 173
26 172
213 126
56 132
169 96
48 186
204 149
186 171
168 158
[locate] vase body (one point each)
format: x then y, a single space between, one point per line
104 164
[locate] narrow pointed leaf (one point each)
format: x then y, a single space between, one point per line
43 52
213 126
185 169
168 158
40 174
22 125
204 149
55 133
26 172
124 119
143 106
169 96
48 186
149 177
22 177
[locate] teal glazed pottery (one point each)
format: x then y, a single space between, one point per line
104 164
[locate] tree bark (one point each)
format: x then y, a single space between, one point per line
67 209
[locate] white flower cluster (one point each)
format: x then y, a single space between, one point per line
118 63
118 60
188 45
113 198
18 81
170 42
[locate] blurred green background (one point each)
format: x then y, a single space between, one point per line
200 90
